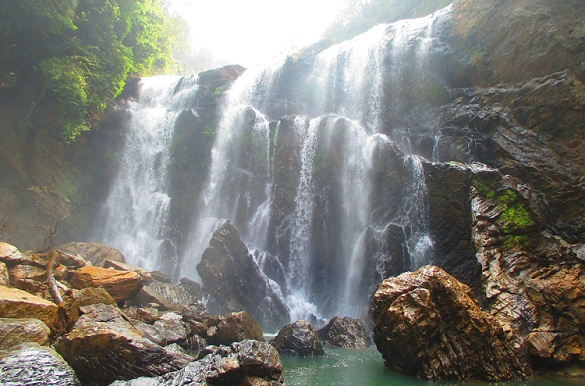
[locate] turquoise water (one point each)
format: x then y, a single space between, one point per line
366 367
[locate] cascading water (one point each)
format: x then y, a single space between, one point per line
136 211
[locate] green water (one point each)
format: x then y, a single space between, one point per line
366 367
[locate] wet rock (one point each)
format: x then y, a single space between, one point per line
103 347
172 327
243 363
235 327
233 281
345 332
298 339
192 287
95 253
427 324
17 331
32 364
121 285
75 299
15 303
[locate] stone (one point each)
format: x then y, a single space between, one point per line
32 364
95 253
298 339
9 254
75 299
121 285
120 266
15 303
17 331
103 347
4 277
427 324
345 332
242 364
233 281
172 328
235 327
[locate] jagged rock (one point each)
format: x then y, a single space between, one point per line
15 303
121 266
75 299
9 254
243 363
175 348
172 327
121 285
17 331
233 281
345 332
192 287
103 347
95 253
4 278
298 339
427 324
235 327
32 364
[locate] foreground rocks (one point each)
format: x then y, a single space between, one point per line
17 331
15 303
244 363
427 324
298 339
32 364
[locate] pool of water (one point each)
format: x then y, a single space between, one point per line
366 368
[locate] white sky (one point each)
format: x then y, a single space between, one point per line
252 32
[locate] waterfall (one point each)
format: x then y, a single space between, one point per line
136 210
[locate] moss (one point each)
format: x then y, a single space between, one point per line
516 216
218 92
513 241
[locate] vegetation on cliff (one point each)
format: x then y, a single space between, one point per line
80 52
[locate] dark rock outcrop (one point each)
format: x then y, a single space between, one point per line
345 332
233 281
298 339
32 364
103 347
244 363
427 324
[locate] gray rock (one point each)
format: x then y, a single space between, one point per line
298 339
17 331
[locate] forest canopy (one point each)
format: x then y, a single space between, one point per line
81 51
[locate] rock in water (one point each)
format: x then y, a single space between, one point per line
103 347
427 324
345 332
298 339
31 364
243 363
233 281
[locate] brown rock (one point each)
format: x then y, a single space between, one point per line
345 332
121 285
17 331
427 324
75 299
121 266
15 303
235 327
298 339
9 254
95 253
4 278
103 347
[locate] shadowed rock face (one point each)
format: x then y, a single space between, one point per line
427 324
345 332
298 339
233 281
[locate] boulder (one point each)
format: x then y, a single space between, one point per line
103 347
121 285
167 295
243 363
17 331
15 303
95 253
172 328
345 332
32 364
298 339
427 324
120 266
9 254
4 278
75 299
233 281
235 327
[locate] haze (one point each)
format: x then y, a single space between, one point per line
255 31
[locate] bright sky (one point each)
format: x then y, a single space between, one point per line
252 32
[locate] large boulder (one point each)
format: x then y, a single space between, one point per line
17 331
15 303
95 253
298 339
121 285
235 327
32 364
243 363
345 332
103 347
427 324
233 281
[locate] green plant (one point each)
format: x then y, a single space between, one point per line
478 57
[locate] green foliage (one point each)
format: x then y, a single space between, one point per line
83 50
